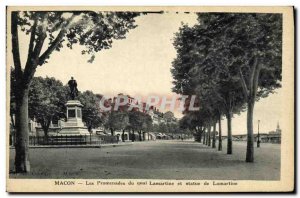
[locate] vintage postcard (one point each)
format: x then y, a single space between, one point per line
150 99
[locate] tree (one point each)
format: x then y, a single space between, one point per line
91 114
117 120
257 52
162 127
147 124
139 122
220 133
155 127
94 30
135 122
47 98
168 116
193 121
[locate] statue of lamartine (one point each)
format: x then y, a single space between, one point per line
73 88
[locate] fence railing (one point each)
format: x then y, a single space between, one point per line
72 140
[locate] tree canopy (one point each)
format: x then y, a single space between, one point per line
47 98
91 114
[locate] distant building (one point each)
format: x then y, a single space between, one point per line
54 128
273 136
119 134
130 101
278 130
156 115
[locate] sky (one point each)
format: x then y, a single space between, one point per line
140 65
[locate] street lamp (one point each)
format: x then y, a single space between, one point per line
258 139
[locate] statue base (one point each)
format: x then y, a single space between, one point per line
74 124
74 131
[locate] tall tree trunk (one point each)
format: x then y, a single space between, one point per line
45 127
140 135
144 136
214 136
112 131
46 136
46 133
220 134
250 91
209 137
123 135
133 136
197 135
229 133
200 135
22 164
250 137
204 137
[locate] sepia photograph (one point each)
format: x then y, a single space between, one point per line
150 99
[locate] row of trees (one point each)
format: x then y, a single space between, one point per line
47 99
229 61
46 103
166 127
134 121
140 122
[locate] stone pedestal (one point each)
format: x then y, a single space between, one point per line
74 124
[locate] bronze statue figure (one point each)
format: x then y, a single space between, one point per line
73 88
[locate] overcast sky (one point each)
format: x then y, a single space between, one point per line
140 65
